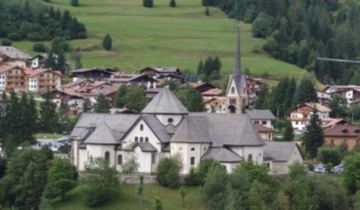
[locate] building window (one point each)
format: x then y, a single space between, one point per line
136 139
119 159
153 158
264 122
170 120
146 139
107 156
205 148
141 127
250 157
141 139
192 149
332 142
192 161
232 90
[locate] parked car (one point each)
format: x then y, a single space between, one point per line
339 169
319 168
64 140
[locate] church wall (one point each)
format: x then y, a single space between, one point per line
255 152
98 151
164 119
145 133
144 160
83 158
230 167
187 151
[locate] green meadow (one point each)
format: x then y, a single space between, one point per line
165 36
128 199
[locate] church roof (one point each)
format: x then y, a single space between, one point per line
165 102
144 146
155 125
279 151
260 114
222 154
193 129
102 135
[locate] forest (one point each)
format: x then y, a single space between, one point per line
300 31
20 20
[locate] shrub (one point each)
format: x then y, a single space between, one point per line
262 26
74 3
14 36
39 47
37 37
130 166
193 178
204 168
167 172
352 172
148 3
329 155
6 42
107 42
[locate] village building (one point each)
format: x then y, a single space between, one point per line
92 73
12 56
37 61
300 115
344 133
143 80
263 121
253 86
278 156
324 98
163 73
349 94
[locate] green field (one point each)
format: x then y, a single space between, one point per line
164 36
129 200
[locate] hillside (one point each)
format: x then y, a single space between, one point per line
164 36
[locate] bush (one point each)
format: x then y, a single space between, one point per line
148 3
74 3
167 172
37 37
262 26
6 42
205 166
193 178
39 47
329 155
352 172
14 37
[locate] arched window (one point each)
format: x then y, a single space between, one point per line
250 158
146 139
107 155
141 127
136 139
232 90
192 149
170 120
141 139
119 159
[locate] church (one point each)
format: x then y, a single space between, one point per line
166 128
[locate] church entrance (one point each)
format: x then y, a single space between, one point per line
232 109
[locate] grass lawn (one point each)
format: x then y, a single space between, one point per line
164 36
48 136
128 199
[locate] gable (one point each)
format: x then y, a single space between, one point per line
232 90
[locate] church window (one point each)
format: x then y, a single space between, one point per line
136 139
141 139
153 158
192 161
141 127
170 120
250 157
233 101
146 139
232 90
192 149
107 156
119 159
264 122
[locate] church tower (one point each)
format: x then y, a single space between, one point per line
236 93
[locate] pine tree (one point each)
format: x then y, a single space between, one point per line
207 11
290 91
313 135
102 104
148 3
107 42
200 68
87 107
48 121
305 92
172 3
336 109
289 132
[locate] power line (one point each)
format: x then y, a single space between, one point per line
338 60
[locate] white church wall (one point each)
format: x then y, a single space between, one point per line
165 119
245 152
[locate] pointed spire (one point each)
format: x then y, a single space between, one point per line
237 70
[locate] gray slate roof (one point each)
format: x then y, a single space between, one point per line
193 129
222 154
102 135
165 102
279 151
260 114
13 53
231 129
144 146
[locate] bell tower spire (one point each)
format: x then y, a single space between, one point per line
237 70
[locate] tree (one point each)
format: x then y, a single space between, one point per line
193 178
102 104
214 189
148 3
296 170
352 172
56 55
130 166
305 92
158 204
328 155
238 190
48 117
39 47
172 3
207 11
200 68
183 193
191 98
135 98
168 172
336 109
101 181
107 42
140 191
262 26
205 167
61 179
289 132
76 56
120 96
87 107
74 3
313 136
